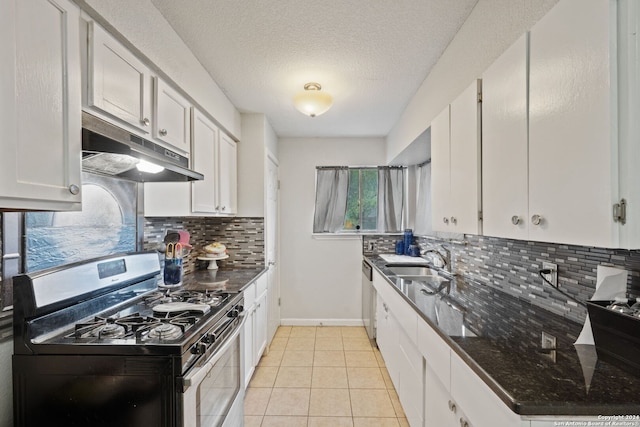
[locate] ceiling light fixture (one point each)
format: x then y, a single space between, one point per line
312 101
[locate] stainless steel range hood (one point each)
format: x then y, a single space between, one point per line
110 150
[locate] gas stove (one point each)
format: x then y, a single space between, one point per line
105 326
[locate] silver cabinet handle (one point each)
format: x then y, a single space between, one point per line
536 219
163 132
454 220
217 208
445 220
515 220
224 207
452 406
270 263
74 189
145 121
463 422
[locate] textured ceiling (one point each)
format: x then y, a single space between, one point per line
371 55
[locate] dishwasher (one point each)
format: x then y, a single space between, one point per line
368 300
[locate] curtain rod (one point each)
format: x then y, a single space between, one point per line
424 163
360 167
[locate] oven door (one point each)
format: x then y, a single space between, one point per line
214 394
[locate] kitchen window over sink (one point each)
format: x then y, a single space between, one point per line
359 199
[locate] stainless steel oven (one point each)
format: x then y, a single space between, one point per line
99 343
213 394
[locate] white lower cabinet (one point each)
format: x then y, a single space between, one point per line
481 406
260 320
402 359
255 326
248 332
439 408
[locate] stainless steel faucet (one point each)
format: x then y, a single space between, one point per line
445 259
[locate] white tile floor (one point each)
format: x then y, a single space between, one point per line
322 376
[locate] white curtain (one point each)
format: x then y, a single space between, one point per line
390 198
423 224
331 199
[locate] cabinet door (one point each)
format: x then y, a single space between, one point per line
465 162
40 99
260 325
205 140
411 380
505 177
572 146
119 83
437 401
227 175
249 362
172 122
440 171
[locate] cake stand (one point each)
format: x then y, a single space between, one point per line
213 265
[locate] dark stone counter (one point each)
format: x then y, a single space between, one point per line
499 337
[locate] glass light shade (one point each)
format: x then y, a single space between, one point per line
144 166
312 101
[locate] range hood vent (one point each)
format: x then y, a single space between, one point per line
110 150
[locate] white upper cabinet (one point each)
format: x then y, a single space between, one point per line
440 170
505 163
40 100
119 84
455 164
573 150
172 116
205 142
227 175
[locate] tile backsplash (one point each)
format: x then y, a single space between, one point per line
512 266
243 237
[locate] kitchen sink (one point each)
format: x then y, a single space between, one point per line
411 270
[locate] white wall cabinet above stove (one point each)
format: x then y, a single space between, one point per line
553 161
172 116
455 164
118 83
40 100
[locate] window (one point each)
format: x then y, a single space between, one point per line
359 199
362 200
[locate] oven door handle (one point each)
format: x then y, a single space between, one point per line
197 375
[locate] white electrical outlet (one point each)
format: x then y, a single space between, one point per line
548 341
553 276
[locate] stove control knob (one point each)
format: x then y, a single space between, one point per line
208 338
240 308
233 313
198 348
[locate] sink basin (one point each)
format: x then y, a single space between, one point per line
425 278
411 270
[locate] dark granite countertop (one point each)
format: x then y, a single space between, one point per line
232 281
499 337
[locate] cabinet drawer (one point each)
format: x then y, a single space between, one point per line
435 351
261 285
249 295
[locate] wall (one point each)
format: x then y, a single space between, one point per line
319 278
492 26
149 34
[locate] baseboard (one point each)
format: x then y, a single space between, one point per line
321 322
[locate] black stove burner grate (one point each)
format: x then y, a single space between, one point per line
212 298
134 326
